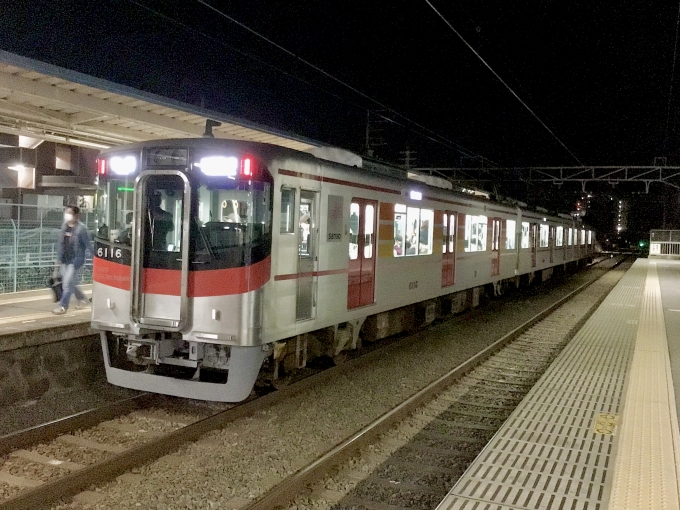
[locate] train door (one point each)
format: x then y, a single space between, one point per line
495 246
308 235
551 243
533 241
160 250
449 249
362 252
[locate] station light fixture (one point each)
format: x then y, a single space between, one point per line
415 195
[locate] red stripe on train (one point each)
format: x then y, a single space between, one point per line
213 282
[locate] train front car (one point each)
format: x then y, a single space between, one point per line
183 250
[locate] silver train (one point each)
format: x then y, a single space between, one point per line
214 255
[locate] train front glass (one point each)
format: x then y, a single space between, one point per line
229 209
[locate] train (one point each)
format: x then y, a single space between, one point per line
213 256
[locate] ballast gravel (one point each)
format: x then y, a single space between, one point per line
228 468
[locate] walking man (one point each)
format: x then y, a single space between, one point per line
74 243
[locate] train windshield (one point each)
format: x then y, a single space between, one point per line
233 221
113 207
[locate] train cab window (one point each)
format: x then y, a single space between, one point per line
287 216
233 215
559 236
113 210
413 230
475 233
525 234
510 226
544 236
164 212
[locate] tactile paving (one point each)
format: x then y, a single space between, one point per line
556 450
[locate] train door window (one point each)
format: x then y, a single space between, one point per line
583 237
287 218
525 234
569 238
449 238
399 230
354 210
559 236
510 234
495 234
449 249
164 215
305 227
544 236
369 236
452 233
590 237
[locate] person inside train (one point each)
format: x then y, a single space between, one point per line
230 211
160 223
125 236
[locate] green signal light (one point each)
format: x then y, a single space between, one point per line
126 189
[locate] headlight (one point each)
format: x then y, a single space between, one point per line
123 165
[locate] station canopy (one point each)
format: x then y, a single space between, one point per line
45 102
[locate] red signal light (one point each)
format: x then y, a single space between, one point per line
101 167
246 167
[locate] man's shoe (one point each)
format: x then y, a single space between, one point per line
60 310
82 304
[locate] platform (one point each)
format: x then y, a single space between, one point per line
600 428
26 319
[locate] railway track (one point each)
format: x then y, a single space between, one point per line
411 456
139 435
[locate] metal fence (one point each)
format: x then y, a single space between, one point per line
29 236
664 244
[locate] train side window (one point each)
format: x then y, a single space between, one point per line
525 234
510 226
544 236
287 211
569 238
590 237
583 237
559 236
475 233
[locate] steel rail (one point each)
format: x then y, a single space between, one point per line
84 419
285 492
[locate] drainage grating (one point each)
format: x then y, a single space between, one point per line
548 455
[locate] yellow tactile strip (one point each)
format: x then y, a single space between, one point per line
645 474
547 454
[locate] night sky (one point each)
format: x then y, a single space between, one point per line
598 74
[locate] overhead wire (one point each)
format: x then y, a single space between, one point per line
446 21
432 135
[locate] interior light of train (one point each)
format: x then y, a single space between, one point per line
123 165
246 169
101 167
219 166
415 195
